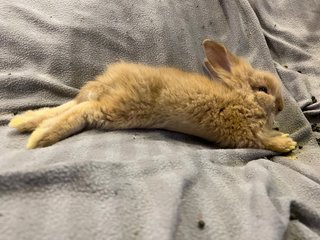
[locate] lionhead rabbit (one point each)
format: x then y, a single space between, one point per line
236 110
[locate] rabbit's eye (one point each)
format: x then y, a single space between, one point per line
263 89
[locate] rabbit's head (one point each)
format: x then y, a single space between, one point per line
236 73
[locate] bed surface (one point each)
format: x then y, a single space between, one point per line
140 184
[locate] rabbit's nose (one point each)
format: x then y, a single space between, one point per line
279 109
279 105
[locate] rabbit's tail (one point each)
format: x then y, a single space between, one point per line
91 91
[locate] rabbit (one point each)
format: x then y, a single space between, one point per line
235 110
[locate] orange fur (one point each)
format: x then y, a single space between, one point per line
230 112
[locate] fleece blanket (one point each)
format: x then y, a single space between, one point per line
156 184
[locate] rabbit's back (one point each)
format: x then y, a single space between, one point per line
133 81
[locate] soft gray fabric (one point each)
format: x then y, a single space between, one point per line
155 184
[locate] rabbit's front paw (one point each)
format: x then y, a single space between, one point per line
25 122
282 143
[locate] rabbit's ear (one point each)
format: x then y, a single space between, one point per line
217 57
209 68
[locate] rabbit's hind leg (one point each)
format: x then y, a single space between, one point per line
277 141
29 120
66 124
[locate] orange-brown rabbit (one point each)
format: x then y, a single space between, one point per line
235 110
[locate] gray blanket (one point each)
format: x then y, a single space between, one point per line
155 184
